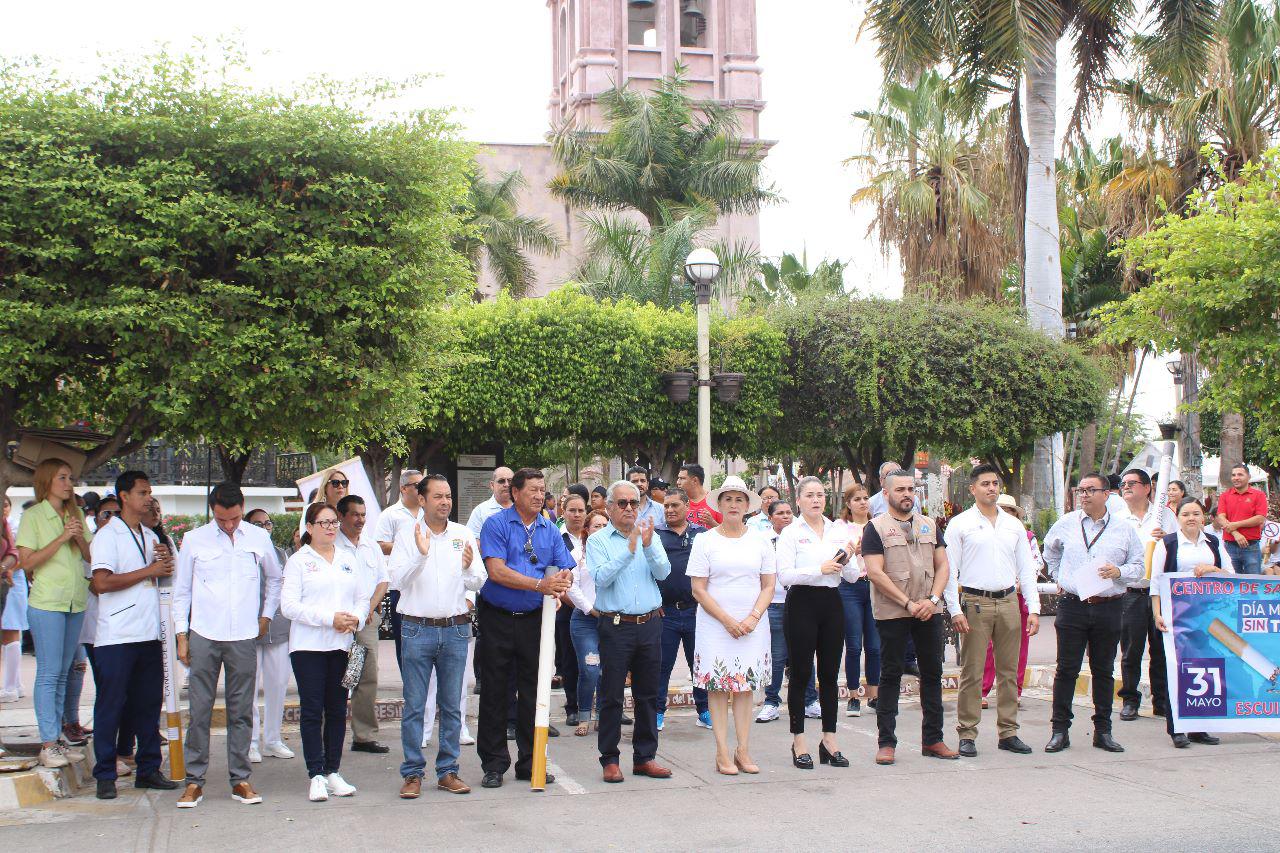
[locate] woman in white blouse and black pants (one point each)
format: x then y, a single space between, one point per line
814 553
325 598
1189 549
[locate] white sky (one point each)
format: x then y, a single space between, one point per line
494 58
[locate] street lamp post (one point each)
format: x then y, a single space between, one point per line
701 268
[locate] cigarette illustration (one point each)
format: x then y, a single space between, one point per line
1255 659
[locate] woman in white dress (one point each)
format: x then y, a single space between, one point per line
732 573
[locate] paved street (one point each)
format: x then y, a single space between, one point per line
1083 799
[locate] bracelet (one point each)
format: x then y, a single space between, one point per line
537 587
755 614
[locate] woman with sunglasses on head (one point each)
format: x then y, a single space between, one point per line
334 486
814 555
327 602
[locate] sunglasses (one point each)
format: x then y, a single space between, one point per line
109 513
1130 483
502 481
341 484
631 504
265 525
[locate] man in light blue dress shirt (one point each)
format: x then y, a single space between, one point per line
626 562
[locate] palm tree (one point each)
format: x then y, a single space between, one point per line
1017 39
938 188
500 235
788 277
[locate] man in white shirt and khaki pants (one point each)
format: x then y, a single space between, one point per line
219 611
990 561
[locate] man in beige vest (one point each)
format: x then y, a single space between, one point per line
906 562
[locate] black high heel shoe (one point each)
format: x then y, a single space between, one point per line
804 760
835 759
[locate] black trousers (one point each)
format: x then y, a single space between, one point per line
638 649
566 659
928 637
124 734
129 680
322 708
1137 632
1081 628
813 624
509 649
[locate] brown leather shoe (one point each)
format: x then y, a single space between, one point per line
451 783
412 788
884 755
612 773
938 750
652 769
242 792
191 797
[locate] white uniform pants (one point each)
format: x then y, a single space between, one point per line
274 670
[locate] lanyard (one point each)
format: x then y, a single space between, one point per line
140 541
1089 543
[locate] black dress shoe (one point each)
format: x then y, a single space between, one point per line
1129 712
835 759
804 760
571 719
106 789
1160 711
520 778
1104 740
154 779
369 746
552 731
627 721
1014 744
1204 738
1057 743
492 779
912 668
1181 741
968 748
511 732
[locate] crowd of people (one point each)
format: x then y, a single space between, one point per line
754 588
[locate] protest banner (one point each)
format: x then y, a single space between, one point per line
1222 651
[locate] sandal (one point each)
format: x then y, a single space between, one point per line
582 730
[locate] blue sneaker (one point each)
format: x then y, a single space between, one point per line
661 721
704 720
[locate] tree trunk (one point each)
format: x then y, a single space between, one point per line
233 464
1232 441
1128 413
1191 451
1043 288
376 459
1015 151
1088 448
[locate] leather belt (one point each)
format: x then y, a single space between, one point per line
682 605
616 618
446 622
986 593
1093 599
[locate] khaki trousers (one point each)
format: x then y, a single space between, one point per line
364 721
994 621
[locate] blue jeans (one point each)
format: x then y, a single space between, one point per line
1246 560
778 652
75 685
859 634
586 645
423 648
678 627
57 636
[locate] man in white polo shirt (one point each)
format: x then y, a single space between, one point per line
127 649
500 484
991 562
368 556
219 612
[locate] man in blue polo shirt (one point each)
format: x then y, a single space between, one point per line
679 610
525 558
627 561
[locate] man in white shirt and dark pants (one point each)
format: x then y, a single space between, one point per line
127 652
990 562
501 486
219 612
368 556
435 563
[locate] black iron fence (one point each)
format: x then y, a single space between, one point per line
198 464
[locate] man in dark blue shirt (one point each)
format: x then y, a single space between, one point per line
526 559
679 610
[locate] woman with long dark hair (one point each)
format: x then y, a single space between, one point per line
859 624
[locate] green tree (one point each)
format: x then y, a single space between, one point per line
181 256
789 277
1214 289
1254 451
501 236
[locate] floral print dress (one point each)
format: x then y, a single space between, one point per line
732 567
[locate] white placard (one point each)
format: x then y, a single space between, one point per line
477 460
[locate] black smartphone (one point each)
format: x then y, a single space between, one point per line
842 557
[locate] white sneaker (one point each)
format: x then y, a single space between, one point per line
338 786
123 770
319 789
813 711
466 739
72 753
9 696
255 756
277 750
768 713
52 756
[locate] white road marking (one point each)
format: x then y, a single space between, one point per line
564 780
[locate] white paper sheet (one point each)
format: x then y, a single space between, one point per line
1089 583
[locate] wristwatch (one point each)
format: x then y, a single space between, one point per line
935 600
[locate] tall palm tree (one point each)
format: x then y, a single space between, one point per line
500 235
1012 39
938 188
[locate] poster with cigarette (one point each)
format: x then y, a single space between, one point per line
1223 651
